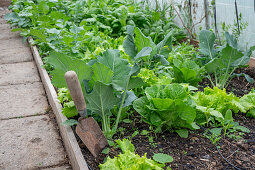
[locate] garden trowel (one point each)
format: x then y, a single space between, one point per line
87 129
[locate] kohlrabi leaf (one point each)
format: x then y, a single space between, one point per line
229 55
102 74
206 43
120 68
135 82
231 40
62 64
101 99
130 97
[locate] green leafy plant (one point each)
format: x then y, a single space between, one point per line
214 103
222 62
167 107
187 71
248 102
69 110
129 160
112 76
214 134
162 158
229 125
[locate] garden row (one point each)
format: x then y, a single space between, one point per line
129 61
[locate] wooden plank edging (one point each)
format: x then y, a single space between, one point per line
73 150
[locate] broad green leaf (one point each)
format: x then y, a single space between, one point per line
38 34
129 43
43 7
106 151
140 106
120 68
130 97
162 59
162 104
167 41
135 82
251 113
12 17
62 64
101 99
228 116
175 91
206 43
183 133
162 158
231 40
153 92
102 73
243 129
213 65
216 131
185 111
142 41
155 119
146 51
215 113
230 55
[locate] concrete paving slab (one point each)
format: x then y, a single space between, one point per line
18 73
4 26
15 56
65 167
22 100
30 143
9 45
7 34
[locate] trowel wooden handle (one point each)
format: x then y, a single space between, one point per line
74 87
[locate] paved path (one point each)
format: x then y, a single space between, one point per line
29 137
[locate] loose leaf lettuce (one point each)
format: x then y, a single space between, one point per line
128 160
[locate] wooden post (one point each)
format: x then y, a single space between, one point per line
206 14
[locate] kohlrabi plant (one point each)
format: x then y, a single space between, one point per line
220 63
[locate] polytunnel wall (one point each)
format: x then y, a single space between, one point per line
225 13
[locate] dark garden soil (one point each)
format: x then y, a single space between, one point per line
195 152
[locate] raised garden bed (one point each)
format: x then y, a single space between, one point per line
195 152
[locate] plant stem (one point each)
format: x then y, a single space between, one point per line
120 109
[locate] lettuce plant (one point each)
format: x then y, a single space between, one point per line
167 107
128 160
